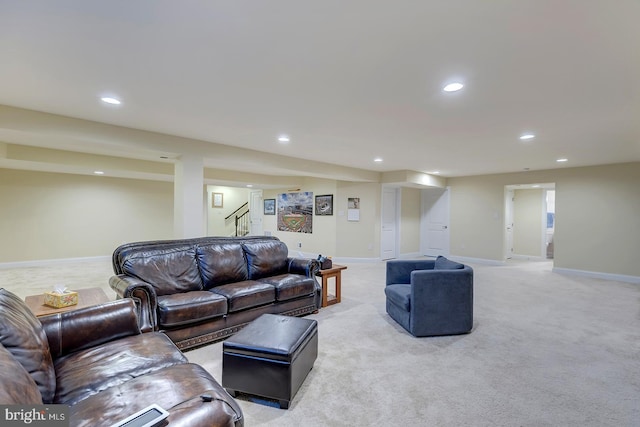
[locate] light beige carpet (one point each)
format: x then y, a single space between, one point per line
546 350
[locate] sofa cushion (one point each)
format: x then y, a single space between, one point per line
266 258
247 294
400 295
443 263
87 372
18 388
22 335
176 389
168 270
289 286
190 307
221 263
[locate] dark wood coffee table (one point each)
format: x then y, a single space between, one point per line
86 298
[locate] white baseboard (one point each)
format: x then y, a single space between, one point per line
598 275
469 260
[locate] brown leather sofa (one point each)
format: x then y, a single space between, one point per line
204 289
96 361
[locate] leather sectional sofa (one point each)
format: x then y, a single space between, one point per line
202 290
97 361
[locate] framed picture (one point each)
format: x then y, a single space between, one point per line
217 200
269 206
324 204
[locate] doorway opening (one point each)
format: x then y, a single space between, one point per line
529 222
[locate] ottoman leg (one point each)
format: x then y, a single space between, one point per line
284 404
232 392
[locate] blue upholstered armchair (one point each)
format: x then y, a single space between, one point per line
430 297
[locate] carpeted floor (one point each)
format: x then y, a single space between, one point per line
546 350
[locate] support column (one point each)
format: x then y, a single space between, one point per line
188 197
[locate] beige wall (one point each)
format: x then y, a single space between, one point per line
528 208
51 215
410 207
597 216
358 239
323 239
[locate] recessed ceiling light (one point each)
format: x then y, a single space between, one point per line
527 136
435 173
111 100
452 87
378 159
98 172
249 185
283 138
562 160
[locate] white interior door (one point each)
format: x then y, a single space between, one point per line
255 213
388 234
435 224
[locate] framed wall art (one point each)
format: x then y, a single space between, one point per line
295 212
324 204
217 200
269 206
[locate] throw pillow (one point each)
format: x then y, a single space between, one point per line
443 263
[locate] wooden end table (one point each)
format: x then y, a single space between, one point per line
86 298
334 272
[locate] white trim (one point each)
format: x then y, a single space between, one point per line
410 255
529 258
345 260
468 260
49 262
598 275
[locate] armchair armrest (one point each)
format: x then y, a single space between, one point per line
443 294
143 294
399 271
90 326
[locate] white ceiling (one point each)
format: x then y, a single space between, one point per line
347 80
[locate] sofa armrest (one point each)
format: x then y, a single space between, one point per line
143 294
90 326
399 271
305 266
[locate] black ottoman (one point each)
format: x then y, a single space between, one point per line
270 357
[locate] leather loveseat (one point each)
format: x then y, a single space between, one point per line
96 361
204 289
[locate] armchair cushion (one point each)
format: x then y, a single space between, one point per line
400 295
443 263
